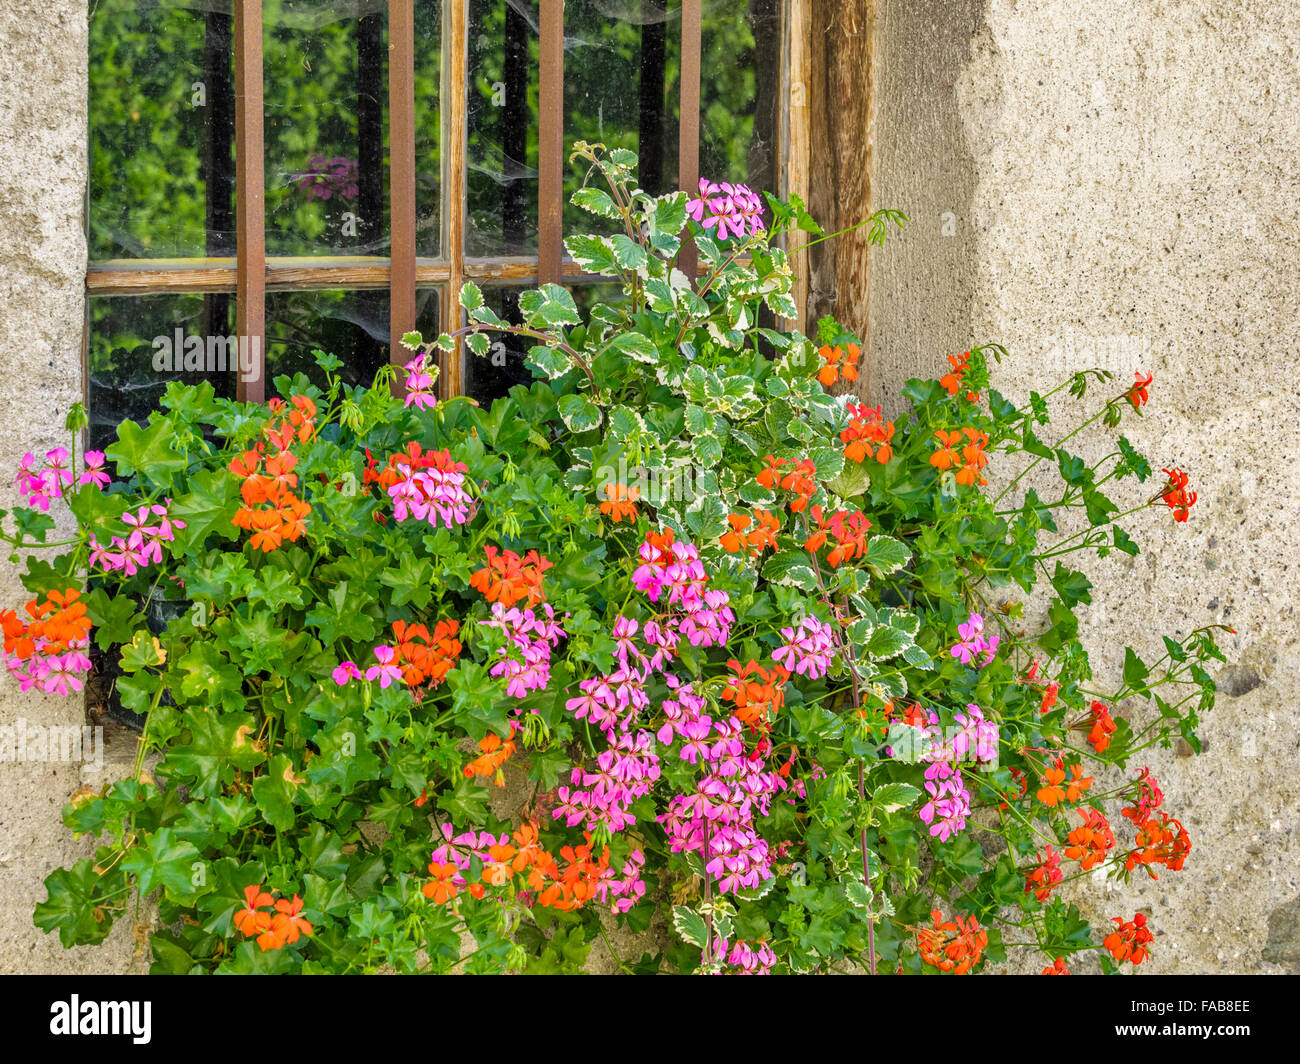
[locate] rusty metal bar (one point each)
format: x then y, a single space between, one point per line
401 163
550 144
250 196
688 145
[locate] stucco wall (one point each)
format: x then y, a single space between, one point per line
1126 188
42 278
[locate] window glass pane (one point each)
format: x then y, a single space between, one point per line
325 85
140 343
501 161
617 58
352 326
740 64
162 129
428 127
492 375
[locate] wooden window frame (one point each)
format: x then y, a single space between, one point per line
251 274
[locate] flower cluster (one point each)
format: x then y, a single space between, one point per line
1161 839
1101 726
973 643
505 859
271 510
808 649
1044 877
151 526
840 363
602 798
1091 841
740 957
969 461
949 803
275 923
1176 495
726 209
953 946
1056 789
420 378
507 578
671 570
326 178
868 435
716 820
40 486
49 649
952 381
425 486
799 480
847 530
1129 941
757 694
525 657
753 541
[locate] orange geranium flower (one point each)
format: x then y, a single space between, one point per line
620 502
946 457
867 435
286 925
1058 968
441 888
1161 839
1091 841
952 382
507 578
757 693
1057 790
1137 395
751 541
849 532
973 458
1176 496
953 946
253 920
496 752
1103 727
1043 879
425 658
840 362
1128 942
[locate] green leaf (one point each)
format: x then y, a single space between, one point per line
147 451
894 796
791 568
579 413
168 862
1135 669
594 201
471 296
690 926
886 554
71 907
637 346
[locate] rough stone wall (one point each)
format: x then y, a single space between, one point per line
1126 188
42 279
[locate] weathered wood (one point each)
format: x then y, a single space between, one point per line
841 102
797 129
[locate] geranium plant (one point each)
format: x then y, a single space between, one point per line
756 652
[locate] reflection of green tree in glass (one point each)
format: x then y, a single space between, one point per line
157 95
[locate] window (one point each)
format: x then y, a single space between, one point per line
273 176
